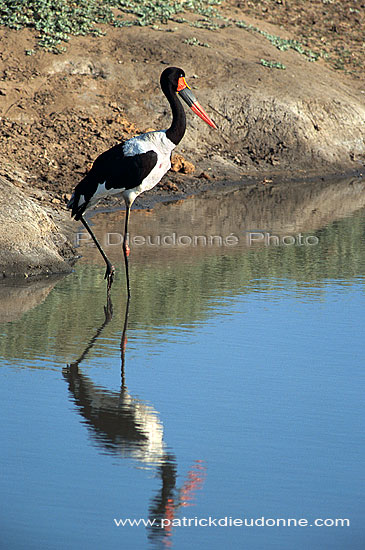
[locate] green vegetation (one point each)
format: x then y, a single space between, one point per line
272 64
282 44
195 42
57 20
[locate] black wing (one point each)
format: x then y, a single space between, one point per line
116 170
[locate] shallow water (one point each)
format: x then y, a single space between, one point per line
236 392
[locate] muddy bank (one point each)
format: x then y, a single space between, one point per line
57 113
31 239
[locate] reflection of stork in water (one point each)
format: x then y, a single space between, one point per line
130 428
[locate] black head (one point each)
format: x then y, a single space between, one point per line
170 78
172 83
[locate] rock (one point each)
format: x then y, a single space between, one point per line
204 176
168 186
180 164
30 241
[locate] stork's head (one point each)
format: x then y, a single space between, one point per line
173 79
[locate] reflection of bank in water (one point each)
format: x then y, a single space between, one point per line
19 296
128 427
210 223
178 285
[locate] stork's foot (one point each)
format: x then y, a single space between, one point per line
109 276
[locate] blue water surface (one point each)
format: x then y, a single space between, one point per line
239 396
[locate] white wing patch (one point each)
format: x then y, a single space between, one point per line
101 192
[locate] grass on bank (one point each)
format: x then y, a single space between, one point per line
57 20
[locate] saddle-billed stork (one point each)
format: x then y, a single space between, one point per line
137 164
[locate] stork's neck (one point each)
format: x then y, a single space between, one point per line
177 129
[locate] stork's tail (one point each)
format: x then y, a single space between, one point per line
71 201
76 208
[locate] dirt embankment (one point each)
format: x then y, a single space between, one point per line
57 113
31 242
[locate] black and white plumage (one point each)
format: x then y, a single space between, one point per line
130 168
138 164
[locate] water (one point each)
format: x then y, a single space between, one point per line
238 393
